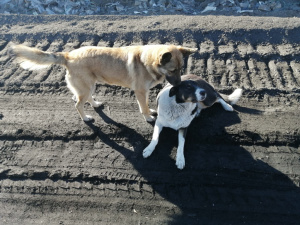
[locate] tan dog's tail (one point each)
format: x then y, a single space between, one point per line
34 59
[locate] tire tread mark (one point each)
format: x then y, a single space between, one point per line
3 44
245 50
266 77
257 75
211 71
287 73
276 75
229 69
295 68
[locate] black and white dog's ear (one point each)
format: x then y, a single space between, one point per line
173 91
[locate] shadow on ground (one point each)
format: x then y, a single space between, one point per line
221 184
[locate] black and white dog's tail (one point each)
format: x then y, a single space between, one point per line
234 97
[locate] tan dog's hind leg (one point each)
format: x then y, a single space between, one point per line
83 93
142 99
79 106
94 103
90 100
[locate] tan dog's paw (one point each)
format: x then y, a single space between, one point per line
74 98
96 104
87 118
149 118
153 112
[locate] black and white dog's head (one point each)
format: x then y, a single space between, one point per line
188 91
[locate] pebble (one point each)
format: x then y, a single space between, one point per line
264 7
209 7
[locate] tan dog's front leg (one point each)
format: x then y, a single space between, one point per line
142 99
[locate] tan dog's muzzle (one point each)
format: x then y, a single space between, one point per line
174 80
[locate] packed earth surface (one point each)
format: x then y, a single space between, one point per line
242 167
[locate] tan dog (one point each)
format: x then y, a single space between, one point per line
137 67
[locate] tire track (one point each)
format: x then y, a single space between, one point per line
216 63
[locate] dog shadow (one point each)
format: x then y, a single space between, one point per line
222 182
247 110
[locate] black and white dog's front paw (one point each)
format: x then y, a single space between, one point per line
147 151
180 161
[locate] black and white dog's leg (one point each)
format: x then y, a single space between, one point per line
225 105
180 161
150 148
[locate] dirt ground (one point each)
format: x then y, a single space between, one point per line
242 167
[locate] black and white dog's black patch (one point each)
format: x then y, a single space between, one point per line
178 106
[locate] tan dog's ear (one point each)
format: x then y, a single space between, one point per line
165 58
187 51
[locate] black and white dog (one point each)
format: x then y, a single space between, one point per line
178 106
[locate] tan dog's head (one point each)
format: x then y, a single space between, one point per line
170 62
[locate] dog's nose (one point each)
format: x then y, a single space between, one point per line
175 81
202 93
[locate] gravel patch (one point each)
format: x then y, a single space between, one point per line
286 8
